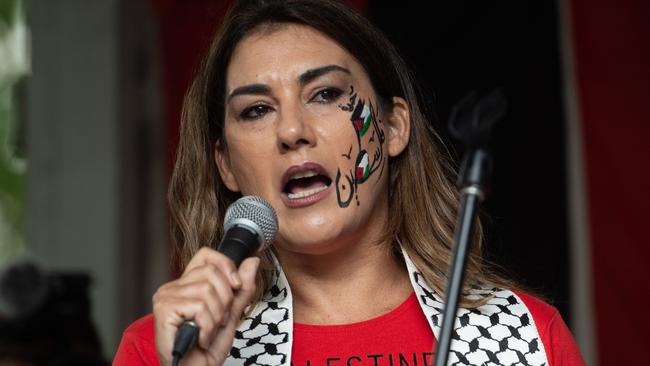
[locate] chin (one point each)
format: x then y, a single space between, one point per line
312 242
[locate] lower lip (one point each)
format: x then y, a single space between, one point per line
305 201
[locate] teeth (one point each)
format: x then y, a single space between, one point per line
293 196
305 174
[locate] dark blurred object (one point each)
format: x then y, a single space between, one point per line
471 120
45 318
23 289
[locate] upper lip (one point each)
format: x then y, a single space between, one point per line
295 169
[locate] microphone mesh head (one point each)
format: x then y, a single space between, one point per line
256 211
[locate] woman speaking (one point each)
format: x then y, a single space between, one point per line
306 104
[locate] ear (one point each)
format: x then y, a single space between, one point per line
399 126
222 160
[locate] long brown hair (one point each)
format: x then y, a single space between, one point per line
423 202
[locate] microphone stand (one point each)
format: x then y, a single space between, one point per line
471 122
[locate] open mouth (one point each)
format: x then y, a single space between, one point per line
301 182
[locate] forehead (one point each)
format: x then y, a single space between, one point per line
283 54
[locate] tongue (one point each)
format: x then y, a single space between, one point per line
306 184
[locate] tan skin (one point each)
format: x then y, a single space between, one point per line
337 266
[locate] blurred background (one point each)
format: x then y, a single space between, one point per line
90 97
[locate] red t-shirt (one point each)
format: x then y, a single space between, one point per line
400 337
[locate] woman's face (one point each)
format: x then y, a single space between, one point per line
305 131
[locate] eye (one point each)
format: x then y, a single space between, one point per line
255 112
328 95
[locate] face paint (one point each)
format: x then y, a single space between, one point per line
370 147
362 170
361 119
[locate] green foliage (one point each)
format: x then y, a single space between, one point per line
15 58
7 9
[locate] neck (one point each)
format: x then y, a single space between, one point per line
354 283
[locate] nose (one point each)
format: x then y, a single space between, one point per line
294 129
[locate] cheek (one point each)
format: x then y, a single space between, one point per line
248 161
248 143
345 146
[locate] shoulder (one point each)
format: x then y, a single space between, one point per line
138 345
141 329
543 314
557 339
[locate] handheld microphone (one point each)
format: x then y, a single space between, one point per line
250 224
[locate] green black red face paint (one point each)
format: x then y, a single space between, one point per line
369 153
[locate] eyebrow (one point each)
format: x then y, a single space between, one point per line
304 78
312 74
259 89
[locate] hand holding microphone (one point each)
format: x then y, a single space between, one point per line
212 293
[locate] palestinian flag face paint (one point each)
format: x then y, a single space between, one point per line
362 169
361 118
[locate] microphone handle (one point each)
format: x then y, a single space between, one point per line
185 338
238 244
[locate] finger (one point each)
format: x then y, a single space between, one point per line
243 297
209 273
171 312
204 291
209 255
221 345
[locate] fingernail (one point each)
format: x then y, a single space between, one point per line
234 277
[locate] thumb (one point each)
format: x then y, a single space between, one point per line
243 297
